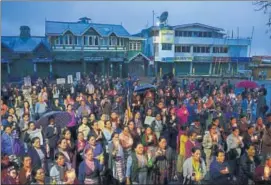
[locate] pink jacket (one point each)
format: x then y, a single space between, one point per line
182 115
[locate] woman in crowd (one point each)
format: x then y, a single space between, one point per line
38 155
89 169
96 148
25 172
38 176
194 169
72 125
181 141
84 128
116 159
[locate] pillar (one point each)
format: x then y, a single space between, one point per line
35 67
191 68
51 68
120 68
161 72
210 69
8 68
111 69
173 69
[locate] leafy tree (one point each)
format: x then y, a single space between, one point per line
265 6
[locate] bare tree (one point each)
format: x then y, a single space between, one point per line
265 6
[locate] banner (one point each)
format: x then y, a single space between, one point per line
70 79
203 59
221 59
78 76
60 81
167 59
27 81
240 59
167 36
183 59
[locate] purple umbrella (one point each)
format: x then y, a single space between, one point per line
61 119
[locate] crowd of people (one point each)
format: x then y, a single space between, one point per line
190 132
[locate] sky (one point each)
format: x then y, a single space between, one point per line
137 15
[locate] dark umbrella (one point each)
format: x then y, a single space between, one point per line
247 84
61 119
145 87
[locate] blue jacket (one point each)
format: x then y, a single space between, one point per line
216 176
7 144
82 170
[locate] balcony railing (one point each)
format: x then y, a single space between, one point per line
82 48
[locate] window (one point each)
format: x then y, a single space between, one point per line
66 40
138 46
209 34
190 34
155 33
134 45
70 37
166 46
96 40
220 50
85 40
130 46
90 43
201 49
182 49
76 40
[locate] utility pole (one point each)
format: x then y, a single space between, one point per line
153 14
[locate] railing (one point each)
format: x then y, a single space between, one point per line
78 47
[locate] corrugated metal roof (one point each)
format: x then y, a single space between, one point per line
79 28
21 45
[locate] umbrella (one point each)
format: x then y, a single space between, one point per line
61 119
247 84
144 87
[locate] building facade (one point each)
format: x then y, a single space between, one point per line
261 67
70 47
195 49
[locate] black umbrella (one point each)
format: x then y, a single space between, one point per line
61 119
145 87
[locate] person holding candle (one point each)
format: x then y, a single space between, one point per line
89 169
194 168
234 147
219 170
248 163
137 166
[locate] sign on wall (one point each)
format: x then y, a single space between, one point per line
221 59
70 79
60 81
203 59
183 59
94 59
167 59
240 59
167 36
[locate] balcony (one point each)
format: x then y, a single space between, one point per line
212 41
87 48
